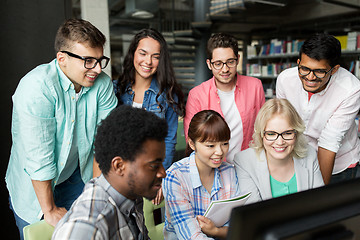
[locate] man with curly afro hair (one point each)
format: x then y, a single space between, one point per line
129 148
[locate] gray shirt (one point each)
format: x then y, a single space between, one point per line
101 212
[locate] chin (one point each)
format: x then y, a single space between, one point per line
150 197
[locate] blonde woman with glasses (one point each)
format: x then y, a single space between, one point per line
279 161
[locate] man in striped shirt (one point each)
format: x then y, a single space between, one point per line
130 149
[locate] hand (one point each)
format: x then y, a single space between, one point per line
159 197
208 227
53 216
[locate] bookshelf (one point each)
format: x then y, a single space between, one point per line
267 59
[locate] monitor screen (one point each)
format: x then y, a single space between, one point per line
329 212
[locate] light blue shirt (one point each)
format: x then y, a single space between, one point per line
186 197
45 113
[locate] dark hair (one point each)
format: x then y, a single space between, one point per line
78 30
123 132
165 75
208 125
222 40
322 46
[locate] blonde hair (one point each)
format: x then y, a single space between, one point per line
283 108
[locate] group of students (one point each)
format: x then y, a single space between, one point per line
237 142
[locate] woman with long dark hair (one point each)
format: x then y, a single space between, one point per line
148 81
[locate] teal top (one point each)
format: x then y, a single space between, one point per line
283 188
45 118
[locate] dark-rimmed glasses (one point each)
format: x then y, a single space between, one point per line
230 63
319 73
90 62
273 136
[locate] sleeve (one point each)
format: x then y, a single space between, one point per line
170 140
77 230
192 107
181 213
339 124
246 182
107 99
34 128
280 93
317 177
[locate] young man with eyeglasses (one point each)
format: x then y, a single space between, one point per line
56 108
327 98
237 98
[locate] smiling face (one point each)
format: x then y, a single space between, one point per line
310 82
74 68
146 58
209 154
224 77
279 149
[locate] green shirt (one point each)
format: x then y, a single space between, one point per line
45 118
283 188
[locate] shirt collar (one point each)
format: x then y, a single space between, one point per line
154 86
195 176
65 81
125 205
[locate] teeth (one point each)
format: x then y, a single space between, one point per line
91 76
146 68
279 149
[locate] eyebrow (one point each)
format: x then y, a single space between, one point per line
147 52
322 69
157 160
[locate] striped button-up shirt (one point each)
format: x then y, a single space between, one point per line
101 212
186 197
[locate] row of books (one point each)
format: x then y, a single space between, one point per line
274 69
350 42
275 47
355 68
269 70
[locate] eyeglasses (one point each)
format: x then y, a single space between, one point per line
273 136
319 73
90 62
232 62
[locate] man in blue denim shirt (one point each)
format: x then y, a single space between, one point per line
56 108
165 111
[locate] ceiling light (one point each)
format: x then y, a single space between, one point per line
142 14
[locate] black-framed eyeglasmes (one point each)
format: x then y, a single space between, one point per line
230 63
90 62
319 73
286 135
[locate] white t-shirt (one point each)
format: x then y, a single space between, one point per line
136 105
233 119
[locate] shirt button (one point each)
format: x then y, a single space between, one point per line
72 120
72 98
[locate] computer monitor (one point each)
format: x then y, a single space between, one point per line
329 212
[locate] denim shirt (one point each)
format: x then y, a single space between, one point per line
166 112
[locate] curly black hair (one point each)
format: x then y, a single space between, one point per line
123 134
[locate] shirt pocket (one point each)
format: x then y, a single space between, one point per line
157 109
